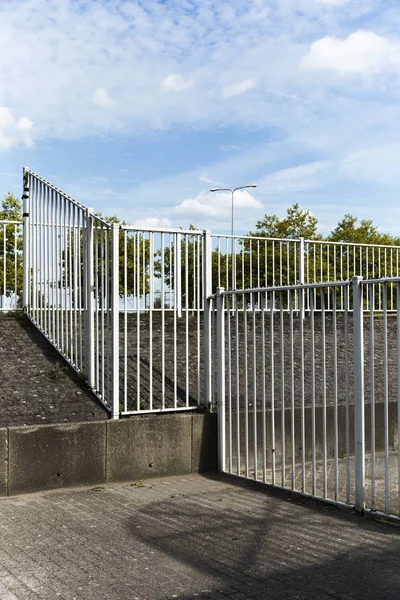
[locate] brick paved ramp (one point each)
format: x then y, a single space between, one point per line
191 537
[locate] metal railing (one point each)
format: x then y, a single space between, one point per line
247 262
161 291
10 265
67 274
132 309
312 405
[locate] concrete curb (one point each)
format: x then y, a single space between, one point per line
46 457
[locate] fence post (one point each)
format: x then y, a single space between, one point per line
207 292
89 300
359 417
221 379
25 240
115 319
178 276
301 278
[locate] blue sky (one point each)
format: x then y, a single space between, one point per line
137 108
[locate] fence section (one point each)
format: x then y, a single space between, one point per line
162 300
312 405
10 265
67 279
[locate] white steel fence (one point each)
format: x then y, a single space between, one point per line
161 302
248 262
132 309
313 405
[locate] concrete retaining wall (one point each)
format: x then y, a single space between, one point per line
46 457
341 431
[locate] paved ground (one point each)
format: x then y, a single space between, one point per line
191 537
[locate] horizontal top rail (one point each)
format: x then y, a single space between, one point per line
101 220
162 230
353 244
286 288
381 281
5 222
53 187
254 237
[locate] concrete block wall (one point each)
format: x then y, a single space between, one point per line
47 457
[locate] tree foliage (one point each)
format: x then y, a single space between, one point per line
10 249
297 223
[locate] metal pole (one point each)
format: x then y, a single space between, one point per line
26 245
301 278
207 291
89 301
115 319
233 286
221 379
359 418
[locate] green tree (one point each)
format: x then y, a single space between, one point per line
297 223
10 249
275 262
134 261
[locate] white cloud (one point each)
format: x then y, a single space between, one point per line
240 87
13 131
108 192
102 98
176 83
218 205
333 2
361 51
205 177
297 179
378 164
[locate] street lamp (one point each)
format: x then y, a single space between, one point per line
232 191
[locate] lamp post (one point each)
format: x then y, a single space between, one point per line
232 191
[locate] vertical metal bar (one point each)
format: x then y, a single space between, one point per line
187 349
57 246
125 266
3 299
229 299
324 441
138 294
151 307
89 301
177 310
254 342
292 413
372 379
115 319
237 381
272 351
263 395
347 384
359 417
207 291
26 279
313 428
282 354
163 320
335 395
246 387
398 389
199 308
221 379
386 392
302 403
301 278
